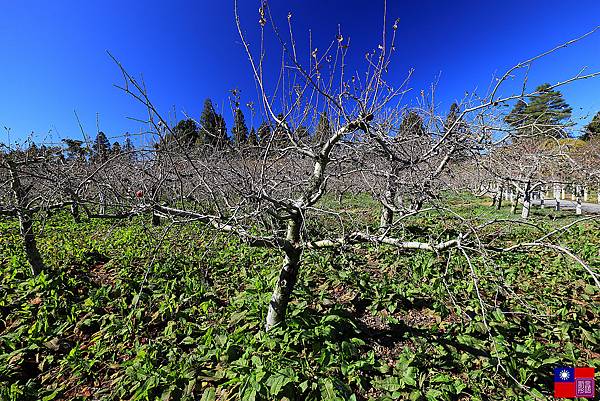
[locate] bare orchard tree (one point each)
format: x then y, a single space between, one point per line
584 158
274 193
33 182
525 166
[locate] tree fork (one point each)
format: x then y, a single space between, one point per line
387 214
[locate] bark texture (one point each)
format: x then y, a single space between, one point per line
286 280
25 223
29 244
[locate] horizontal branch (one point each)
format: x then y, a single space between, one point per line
217 223
360 237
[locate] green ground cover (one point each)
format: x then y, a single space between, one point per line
123 315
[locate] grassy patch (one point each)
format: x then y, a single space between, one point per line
123 315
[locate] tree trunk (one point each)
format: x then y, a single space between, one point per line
25 224
542 197
155 219
526 200
287 278
515 203
75 212
500 197
495 196
102 202
387 214
526 205
29 243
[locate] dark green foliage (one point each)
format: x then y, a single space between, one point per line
517 117
412 125
252 137
301 134
323 130
277 134
451 118
128 146
183 136
264 132
208 123
222 139
548 106
239 130
280 133
116 148
546 109
74 150
212 127
461 140
187 134
100 148
592 129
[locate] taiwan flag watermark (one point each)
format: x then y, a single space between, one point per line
574 382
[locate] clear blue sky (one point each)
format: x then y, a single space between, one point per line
54 61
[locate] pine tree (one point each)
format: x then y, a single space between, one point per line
186 134
462 142
74 149
301 134
452 116
459 129
412 124
280 134
221 132
323 131
116 148
128 146
548 106
208 123
547 109
101 147
592 129
252 137
240 130
264 132
516 118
